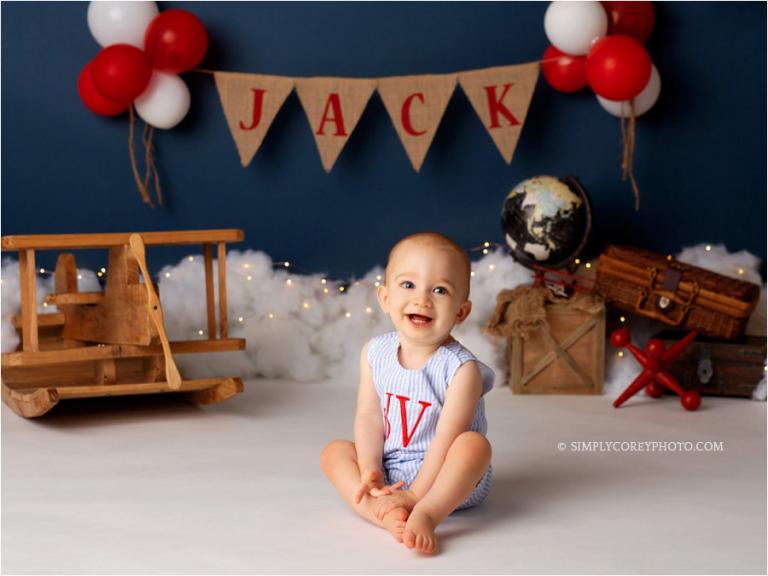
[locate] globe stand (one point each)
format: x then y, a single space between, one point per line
655 377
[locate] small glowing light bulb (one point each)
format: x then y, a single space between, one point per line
200 332
341 288
741 271
289 282
377 283
167 274
348 314
622 319
323 281
79 276
708 248
325 290
103 270
378 277
239 318
487 244
271 316
588 265
42 270
45 304
305 305
620 354
669 257
246 265
578 261
249 277
491 267
485 250
472 273
368 310
99 274
287 264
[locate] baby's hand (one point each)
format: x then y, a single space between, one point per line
398 499
372 482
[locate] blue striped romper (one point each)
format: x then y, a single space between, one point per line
411 401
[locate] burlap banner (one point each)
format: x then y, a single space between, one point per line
333 107
415 104
251 102
501 97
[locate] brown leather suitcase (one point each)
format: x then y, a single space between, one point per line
718 368
677 294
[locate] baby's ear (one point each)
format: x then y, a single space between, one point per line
382 295
464 311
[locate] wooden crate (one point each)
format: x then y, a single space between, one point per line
565 357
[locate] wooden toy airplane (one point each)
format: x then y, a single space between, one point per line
110 343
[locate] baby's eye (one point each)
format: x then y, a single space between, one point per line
440 290
407 284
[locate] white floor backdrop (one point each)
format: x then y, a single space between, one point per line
156 486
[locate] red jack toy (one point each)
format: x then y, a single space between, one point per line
655 360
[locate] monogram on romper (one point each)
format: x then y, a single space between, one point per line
407 436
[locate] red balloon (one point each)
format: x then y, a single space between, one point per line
618 67
634 19
91 97
564 72
121 72
176 41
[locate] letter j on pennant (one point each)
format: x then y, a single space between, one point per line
250 103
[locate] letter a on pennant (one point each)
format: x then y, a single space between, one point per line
416 105
333 107
501 97
250 103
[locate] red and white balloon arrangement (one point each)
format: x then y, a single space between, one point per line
601 45
143 51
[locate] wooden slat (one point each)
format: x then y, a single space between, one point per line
28 285
209 296
67 241
53 319
223 320
90 353
75 298
68 392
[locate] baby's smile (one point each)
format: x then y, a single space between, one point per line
419 320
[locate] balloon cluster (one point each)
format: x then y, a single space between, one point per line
143 53
600 44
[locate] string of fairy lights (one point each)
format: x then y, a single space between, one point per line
327 286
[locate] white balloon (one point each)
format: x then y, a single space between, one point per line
572 27
120 22
165 102
643 101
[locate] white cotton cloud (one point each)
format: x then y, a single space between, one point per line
296 330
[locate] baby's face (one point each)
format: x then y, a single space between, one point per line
426 292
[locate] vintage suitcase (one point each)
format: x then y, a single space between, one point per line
719 368
677 294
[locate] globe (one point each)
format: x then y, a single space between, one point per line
547 221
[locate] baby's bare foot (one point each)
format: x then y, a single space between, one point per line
394 521
420 532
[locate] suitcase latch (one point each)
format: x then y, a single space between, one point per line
704 370
671 280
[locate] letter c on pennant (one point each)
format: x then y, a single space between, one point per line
405 114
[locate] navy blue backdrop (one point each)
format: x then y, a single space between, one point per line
700 159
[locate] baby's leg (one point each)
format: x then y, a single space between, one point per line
465 464
339 462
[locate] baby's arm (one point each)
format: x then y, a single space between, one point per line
456 417
369 434
461 399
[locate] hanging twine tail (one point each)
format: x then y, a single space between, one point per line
150 168
628 135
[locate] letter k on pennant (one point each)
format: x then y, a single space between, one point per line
501 97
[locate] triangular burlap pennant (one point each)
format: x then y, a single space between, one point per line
501 97
333 107
416 105
250 103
